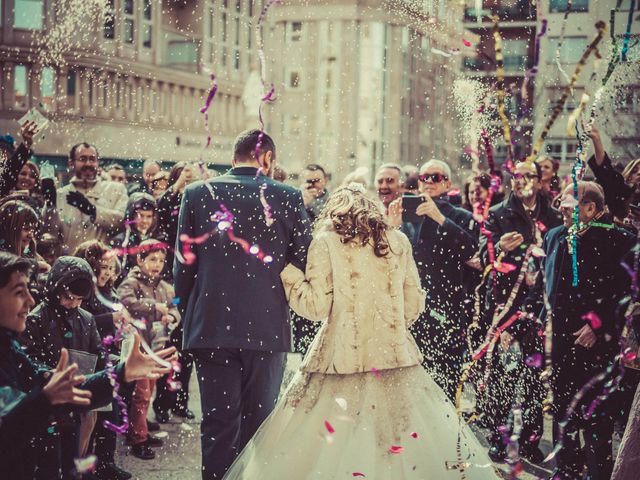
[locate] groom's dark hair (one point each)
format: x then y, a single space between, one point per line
244 148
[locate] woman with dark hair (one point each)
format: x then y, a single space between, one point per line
549 179
13 159
476 190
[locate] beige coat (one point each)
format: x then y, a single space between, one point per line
366 303
110 199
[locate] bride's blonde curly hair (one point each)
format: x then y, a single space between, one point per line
353 215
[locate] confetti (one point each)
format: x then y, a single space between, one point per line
342 403
358 474
85 465
414 434
329 427
396 449
593 319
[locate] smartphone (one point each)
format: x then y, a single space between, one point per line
410 204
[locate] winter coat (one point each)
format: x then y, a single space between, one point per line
50 327
24 409
440 253
510 216
141 294
602 283
617 193
11 169
366 315
110 199
167 231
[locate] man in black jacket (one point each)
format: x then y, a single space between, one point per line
235 313
520 221
30 394
586 321
445 240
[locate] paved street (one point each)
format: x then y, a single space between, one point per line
179 458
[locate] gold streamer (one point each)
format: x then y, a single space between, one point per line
575 115
601 26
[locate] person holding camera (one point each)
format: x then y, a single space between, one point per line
446 238
314 189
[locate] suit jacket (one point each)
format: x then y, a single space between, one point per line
367 315
228 297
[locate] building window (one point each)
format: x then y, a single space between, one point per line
294 31
147 29
562 150
561 5
292 77
71 83
47 87
20 86
29 14
571 50
109 27
515 55
128 24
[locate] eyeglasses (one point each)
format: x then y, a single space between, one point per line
526 176
434 177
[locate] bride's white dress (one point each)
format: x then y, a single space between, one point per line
361 405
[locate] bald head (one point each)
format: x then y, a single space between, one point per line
590 202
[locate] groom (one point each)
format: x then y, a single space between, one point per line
235 314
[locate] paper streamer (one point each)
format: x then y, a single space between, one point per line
627 34
561 40
557 109
207 104
506 130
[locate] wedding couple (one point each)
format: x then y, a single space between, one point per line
361 404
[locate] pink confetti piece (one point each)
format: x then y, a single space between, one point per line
593 319
358 474
534 360
466 43
504 267
629 355
376 372
396 449
329 427
414 434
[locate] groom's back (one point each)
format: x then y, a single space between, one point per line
232 292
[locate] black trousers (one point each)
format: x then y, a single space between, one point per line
175 400
597 452
238 390
442 344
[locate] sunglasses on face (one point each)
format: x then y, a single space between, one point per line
434 177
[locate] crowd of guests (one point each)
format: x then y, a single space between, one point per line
97 253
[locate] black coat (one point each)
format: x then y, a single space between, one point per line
617 193
25 411
11 169
229 298
510 216
440 253
602 283
167 229
51 327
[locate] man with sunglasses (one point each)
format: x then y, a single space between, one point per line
521 220
445 240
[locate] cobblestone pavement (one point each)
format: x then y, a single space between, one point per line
179 458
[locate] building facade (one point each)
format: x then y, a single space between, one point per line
618 114
517 20
360 84
134 81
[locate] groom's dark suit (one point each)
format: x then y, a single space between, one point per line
235 314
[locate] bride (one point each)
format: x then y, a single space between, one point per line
361 405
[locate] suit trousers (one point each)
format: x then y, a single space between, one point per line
238 390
